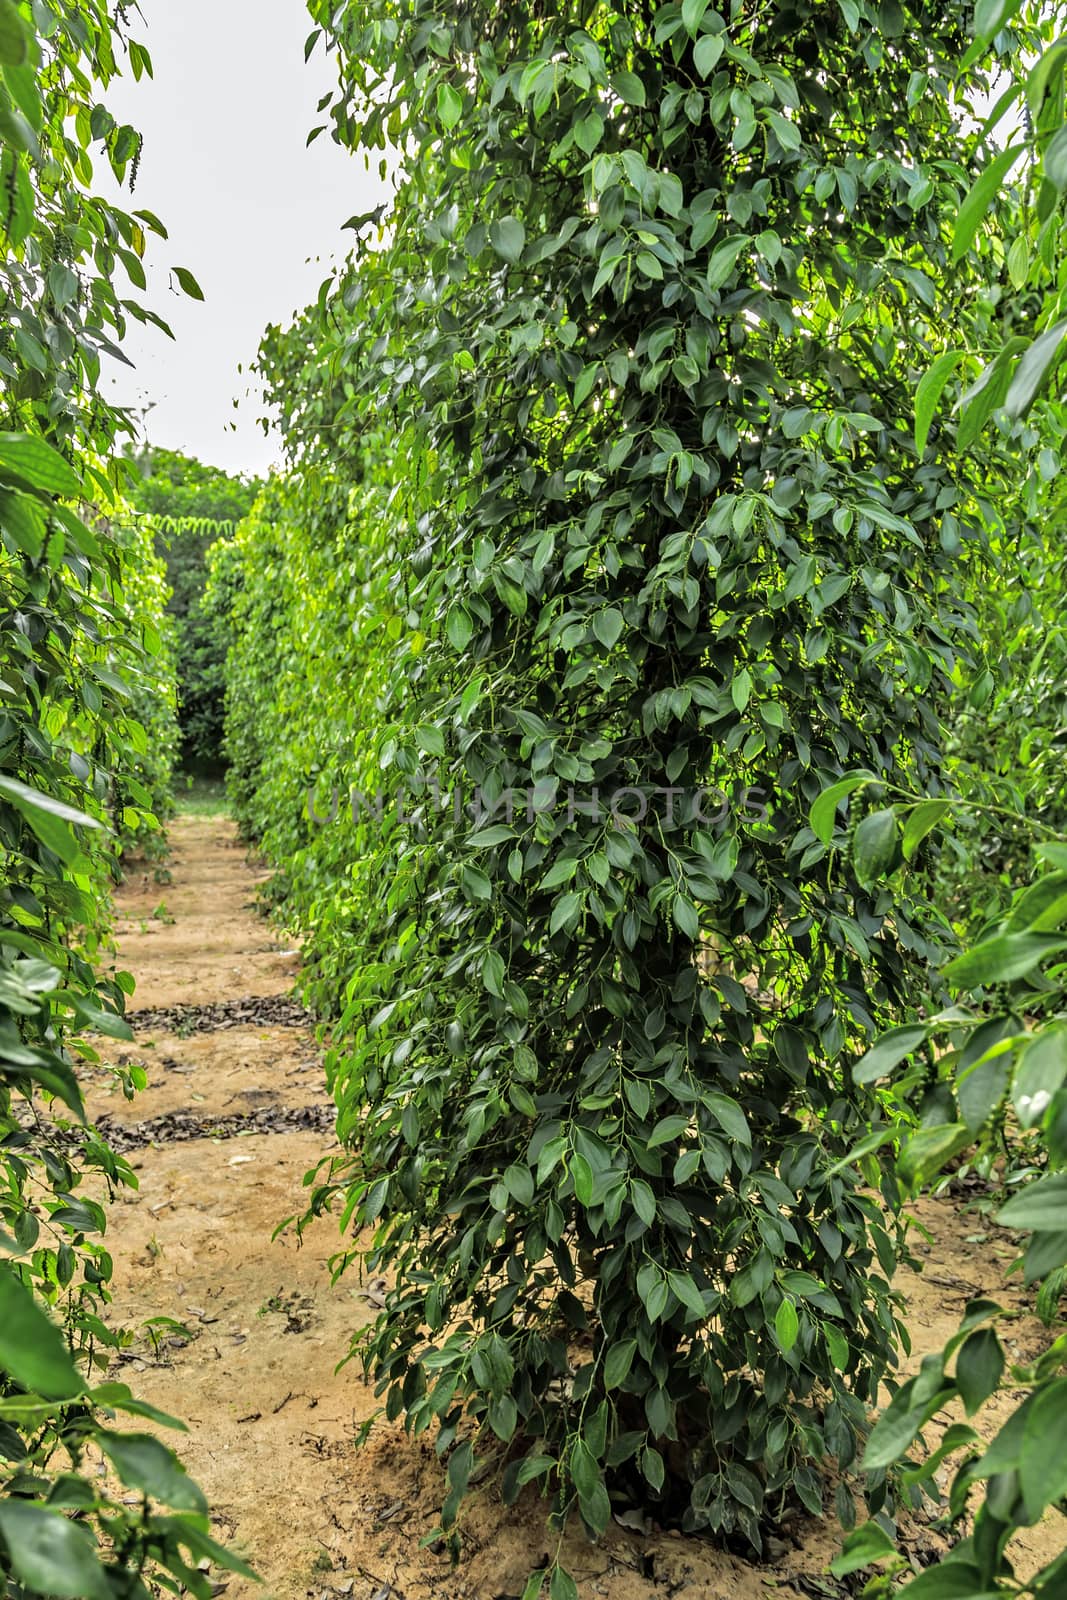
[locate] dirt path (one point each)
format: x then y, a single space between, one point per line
235 1113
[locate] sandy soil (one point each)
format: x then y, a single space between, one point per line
221 1139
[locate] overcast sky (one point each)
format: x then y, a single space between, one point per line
251 211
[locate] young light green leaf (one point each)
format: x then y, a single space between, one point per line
928 393
449 105
25 456
786 1325
823 812
13 43
1002 959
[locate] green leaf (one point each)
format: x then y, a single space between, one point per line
667 1128
927 1151
565 910
144 1463
1041 908
32 1349
459 628
1002 959
980 197
493 973
1041 1206
991 15
723 260
929 391
706 53
118 1397
823 813
49 1554
562 1586
507 235
583 1177
187 1533
449 105
889 1051
979 1366
1055 159
188 283
920 821
48 818
608 626
1039 1075
874 848
683 1286
1043 1455
37 464
431 740
896 1428
1034 367
786 1325
29 801
629 88
837 1345
863 1546
22 518
618 1361
730 1117
692 13
13 43
950 1580
741 689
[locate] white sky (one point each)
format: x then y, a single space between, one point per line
253 213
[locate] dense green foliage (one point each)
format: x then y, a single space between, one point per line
629 532
86 733
606 494
192 508
991 1070
986 1079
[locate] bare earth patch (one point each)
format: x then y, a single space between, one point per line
234 1115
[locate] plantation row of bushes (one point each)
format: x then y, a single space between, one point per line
193 508
87 741
673 433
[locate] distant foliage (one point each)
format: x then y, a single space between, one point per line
605 491
194 507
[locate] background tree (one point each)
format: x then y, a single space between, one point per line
193 507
